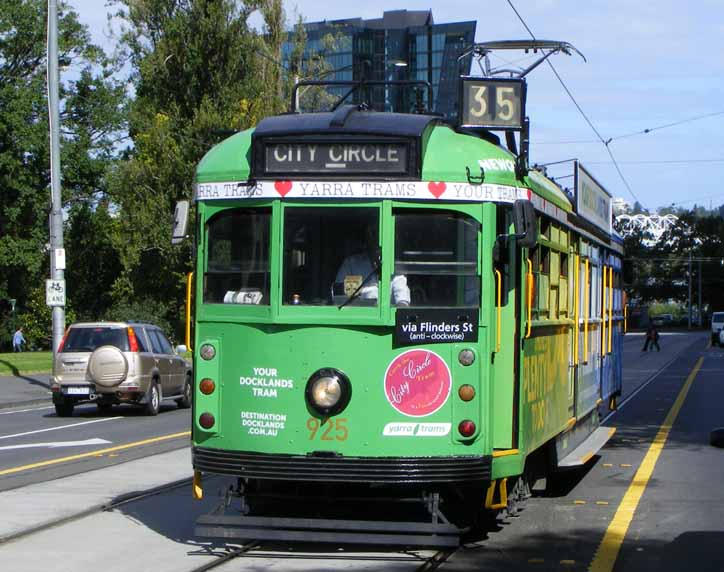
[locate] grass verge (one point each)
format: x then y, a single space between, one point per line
25 363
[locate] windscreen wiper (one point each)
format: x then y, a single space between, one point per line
375 270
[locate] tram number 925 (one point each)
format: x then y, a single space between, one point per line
493 103
331 430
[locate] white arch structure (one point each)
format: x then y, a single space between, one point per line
655 224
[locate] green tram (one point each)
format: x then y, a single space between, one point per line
392 310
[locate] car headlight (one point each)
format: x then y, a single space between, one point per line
328 391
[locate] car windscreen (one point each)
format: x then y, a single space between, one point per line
88 339
717 317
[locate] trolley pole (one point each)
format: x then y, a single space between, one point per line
57 255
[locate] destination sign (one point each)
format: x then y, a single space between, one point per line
435 326
389 158
492 103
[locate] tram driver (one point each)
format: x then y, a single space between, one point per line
362 270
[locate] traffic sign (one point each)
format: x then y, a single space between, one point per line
55 292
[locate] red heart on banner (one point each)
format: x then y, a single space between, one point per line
530 194
437 189
283 187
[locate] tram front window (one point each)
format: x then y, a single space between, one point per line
237 258
329 254
438 251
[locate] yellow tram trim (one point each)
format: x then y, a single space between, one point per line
610 309
198 492
505 452
502 495
588 312
189 283
577 310
603 312
529 294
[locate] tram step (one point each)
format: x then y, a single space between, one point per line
398 533
581 454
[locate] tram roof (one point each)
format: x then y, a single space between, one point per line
446 152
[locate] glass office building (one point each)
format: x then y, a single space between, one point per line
402 45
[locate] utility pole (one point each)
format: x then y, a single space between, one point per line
699 322
56 284
689 320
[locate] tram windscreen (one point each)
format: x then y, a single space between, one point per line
437 251
329 253
237 257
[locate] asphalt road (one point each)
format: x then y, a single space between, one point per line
50 447
652 499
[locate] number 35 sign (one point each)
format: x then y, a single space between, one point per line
492 103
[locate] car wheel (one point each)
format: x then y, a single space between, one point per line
185 401
153 402
64 409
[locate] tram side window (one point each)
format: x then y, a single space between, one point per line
329 253
237 263
437 252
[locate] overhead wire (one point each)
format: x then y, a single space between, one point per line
580 109
639 132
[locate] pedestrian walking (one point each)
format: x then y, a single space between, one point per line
18 340
652 339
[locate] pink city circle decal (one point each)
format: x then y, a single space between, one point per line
417 383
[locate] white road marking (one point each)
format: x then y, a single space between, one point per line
61 427
26 410
86 443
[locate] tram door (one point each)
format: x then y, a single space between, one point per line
505 378
607 356
589 333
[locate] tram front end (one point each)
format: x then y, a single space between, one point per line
343 329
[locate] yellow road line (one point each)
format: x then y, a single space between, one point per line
94 453
610 546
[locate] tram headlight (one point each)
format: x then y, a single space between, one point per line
328 391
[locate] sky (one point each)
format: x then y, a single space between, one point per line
649 64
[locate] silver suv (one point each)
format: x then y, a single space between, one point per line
119 362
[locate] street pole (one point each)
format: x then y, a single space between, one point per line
700 313
689 320
56 213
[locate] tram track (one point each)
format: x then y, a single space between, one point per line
248 549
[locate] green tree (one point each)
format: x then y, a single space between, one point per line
198 69
91 120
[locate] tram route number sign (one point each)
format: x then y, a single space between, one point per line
55 292
493 103
389 158
435 326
